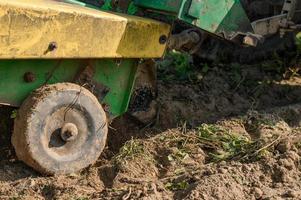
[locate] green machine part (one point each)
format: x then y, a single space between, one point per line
224 18
220 17
46 42
24 76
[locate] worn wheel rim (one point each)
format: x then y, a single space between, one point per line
54 141
60 129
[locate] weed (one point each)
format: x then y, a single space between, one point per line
13 114
264 154
180 171
177 186
224 144
179 64
179 155
254 120
132 149
205 68
219 143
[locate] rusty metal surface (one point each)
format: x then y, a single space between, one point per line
51 29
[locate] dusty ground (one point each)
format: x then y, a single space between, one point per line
222 132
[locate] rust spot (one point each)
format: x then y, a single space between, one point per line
29 77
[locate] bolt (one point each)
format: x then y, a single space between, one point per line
118 62
163 39
29 77
52 46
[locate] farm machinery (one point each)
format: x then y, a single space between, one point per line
70 65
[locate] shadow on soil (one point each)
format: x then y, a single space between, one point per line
193 105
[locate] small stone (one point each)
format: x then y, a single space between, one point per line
291 194
284 146
222 163
281 175
245 168
73 175
204 196
197 177
293 155
287 163
32 183
58 192
208 172
277 185
222 171
258 193
139 193
195 195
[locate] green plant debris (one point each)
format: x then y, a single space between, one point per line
205 68
176 66
130 150
183 185
254 120
225 145
181 62
179 155
219 144
13 114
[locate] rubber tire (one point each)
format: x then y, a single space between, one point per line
28 126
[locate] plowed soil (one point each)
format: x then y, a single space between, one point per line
222 132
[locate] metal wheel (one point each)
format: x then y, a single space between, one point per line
60 129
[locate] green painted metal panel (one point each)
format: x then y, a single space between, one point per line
170 6
118 77
225 17
221 17
80 3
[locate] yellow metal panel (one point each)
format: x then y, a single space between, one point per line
27 27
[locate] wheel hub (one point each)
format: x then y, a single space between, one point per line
55 134
69 132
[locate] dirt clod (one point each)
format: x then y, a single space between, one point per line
258 193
